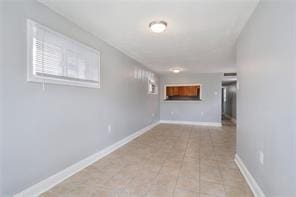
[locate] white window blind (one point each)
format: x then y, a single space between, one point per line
55 58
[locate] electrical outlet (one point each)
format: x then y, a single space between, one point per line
261 157
152 114
172 113
216 93
202 113
109 128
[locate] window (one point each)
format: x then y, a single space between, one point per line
152 87
55 58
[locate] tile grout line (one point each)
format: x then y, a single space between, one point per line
220 172
197 157
178 176
158 172
132 179
199 161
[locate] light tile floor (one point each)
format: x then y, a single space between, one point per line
169 160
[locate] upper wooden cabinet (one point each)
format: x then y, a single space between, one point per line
172 91
169 91
183 91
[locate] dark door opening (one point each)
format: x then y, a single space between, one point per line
228 100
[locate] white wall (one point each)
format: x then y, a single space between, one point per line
1 89
206 110
47 131
266 97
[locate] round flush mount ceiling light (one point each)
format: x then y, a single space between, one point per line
158 26
176 70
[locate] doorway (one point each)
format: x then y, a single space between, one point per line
228 100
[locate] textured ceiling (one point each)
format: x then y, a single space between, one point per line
200 37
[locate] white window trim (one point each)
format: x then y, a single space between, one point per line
156 87
38 79
182 84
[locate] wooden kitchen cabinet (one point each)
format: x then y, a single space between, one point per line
184 92
172 91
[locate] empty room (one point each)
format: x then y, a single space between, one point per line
143 98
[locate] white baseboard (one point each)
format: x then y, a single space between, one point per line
215 124
52 181
257 191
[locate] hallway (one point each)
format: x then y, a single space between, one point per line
169 160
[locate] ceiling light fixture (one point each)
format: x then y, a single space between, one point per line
158 26
176 70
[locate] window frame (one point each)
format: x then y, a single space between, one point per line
155 84
31 77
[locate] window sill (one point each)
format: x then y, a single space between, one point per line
56 81
180 100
